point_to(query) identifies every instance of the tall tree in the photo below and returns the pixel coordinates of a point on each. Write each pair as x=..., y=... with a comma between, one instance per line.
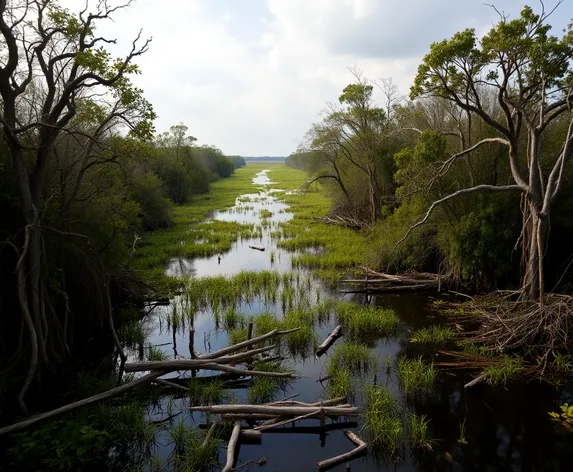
x=529, y=73
x=57, y=59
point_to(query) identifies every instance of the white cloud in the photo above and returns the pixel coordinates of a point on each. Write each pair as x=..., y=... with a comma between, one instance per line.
x=250, y=77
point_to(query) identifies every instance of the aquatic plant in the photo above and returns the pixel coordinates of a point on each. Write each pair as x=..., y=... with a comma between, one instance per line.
x=415, y=376
x=383, y=419
x=154, y=353
x=417, y=426
x=206, y=392
x=353, y=356
x=434, y=336
x=340, y=383
x=263, y=389
x=366, y=321
x=508, y=368
x=565, y=418
x=462, y=439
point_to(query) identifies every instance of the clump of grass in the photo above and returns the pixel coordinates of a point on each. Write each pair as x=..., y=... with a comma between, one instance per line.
x=302, y=342
x=435, y=336
x=415, y=377
x=563, y=363
x=155, y=354
x=265, y=322
x=263, y=389
x=272, y=256
x=462, y=439
x=266, y=213
x=367, y=322
x=237, y=335
x=340, y=383
x=507, y=370
x=190, y=452
x=206, y=392
x=383, y=420
x=418, y=431
x=355, y=357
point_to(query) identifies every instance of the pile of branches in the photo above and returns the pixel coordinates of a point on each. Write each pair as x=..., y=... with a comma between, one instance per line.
x=265, y=417
x=226, y=360
x=374, y=281
x=505, y=325
x=348, y=221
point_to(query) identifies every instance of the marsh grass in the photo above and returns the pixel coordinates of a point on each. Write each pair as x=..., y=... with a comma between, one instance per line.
x=154, y=353
x=341, y=383
x=264, y=389
x=366, y=321
x=417, y=426
x=132, y=334
x=415, y=377
x=357, y=358
x=190, y=454
x=505, y=371
x=233, y=319
x=434, y=336
x=383, y=419
x=206, y=392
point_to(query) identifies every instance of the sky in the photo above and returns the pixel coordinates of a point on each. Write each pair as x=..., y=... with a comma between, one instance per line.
x=251, y=76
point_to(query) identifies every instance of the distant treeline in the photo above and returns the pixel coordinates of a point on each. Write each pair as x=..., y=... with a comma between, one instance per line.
x=264, y=158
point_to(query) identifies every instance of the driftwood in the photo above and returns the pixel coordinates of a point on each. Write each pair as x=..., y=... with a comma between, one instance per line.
x=347, y=221
x=79, y=404
x=276, y=410
x=380, y=282
x=188, y=364
x=257, y=248
x=361, y=448
x=329, y=341
x=231, y=448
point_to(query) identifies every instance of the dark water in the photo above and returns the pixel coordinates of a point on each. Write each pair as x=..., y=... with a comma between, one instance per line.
x=505, y=429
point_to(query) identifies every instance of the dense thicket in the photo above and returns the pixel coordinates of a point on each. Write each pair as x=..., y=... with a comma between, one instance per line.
x=81, y=176
x=475, y=170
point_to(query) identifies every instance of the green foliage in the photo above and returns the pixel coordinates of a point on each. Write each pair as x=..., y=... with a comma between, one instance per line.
x=435, y=336
x=367, y=321
x=383, y=419
x=507, y=369
x=565, y=418
x=416, y=377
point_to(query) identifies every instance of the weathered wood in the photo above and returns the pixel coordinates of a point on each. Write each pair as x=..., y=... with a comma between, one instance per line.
x=275, y=410
x=167, y=383
x=231, y=447
x=257, y=248
x=75, y=405
x=329, y=341
x=361, y=448
x=476, y=381
x=250, y=332
x=188, y=364
x=288, y=420
x=247, y=343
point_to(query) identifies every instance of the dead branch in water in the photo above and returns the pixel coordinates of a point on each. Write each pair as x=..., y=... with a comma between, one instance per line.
x=231, y=448
x=347, y=221
x=329, y=341
x=361, y=448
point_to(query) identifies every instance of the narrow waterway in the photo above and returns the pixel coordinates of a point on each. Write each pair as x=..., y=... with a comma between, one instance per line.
x=504, y=429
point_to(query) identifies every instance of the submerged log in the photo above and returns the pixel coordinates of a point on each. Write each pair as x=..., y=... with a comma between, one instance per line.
x=277, y=410
x=329, y=341
x=361, y=448
x=257, y=248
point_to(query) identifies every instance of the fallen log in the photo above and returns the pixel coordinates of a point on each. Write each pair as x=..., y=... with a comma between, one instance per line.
x=476, y=381
x=250, y=435
x=257, y=248
x=288, y=420
x=81, y=403
x=247, y=343
x=361, y=448
x=329, y=341
x=314, y=429
x=231, y=448
x=188, y=364
x=275, y=410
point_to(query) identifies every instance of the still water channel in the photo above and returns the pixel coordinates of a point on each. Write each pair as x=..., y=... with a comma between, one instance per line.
x=506, y=429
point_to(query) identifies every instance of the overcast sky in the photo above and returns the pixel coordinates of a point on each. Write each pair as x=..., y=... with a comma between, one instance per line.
x=251, y=76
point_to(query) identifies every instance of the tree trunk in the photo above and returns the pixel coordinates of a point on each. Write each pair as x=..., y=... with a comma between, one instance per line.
x=534, y=239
